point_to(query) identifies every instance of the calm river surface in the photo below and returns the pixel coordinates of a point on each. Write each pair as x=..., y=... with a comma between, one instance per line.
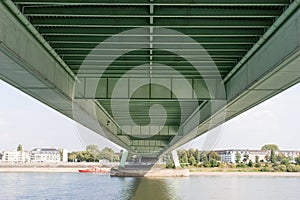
x=76, y=186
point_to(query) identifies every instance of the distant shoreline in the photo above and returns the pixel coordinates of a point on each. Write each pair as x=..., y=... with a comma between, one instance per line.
x=65, y=169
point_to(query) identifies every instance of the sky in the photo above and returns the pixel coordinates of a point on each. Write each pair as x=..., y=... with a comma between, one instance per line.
x=26, y=121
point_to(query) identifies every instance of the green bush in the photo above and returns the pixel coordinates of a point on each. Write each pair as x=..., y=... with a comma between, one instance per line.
x=231, y=165
x=266, y=169
x=241, y=165
x=206, y=164
x=293, y=168
x=257, y=165
x=222, y=165
x=170, y=164
x=282, y=168
x=183, y=165
x=214, y=163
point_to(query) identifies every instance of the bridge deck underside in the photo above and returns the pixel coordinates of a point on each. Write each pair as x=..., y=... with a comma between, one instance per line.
x=226, y=30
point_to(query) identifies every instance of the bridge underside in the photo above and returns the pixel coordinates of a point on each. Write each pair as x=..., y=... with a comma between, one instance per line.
x=172, y=73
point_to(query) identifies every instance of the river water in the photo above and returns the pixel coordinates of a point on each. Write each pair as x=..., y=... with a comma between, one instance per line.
x=76, y=186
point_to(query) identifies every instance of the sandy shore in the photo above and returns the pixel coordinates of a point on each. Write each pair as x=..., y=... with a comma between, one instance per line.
x=297, y=174
x=46, y=167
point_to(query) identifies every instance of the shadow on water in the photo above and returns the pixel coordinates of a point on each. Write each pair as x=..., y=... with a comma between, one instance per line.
x=148, y=189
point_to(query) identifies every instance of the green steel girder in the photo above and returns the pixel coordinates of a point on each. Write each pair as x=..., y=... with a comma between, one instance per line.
x=244, y=22
x=90, y=22
x=159, y=11
x=176, y=66
x=205, y=67
x=131, y=22
x=200, y=40
x=193, y=32
x=85, y=48
x=143, y=76
x=145, y=53
x=158, y=2
x=130, y=62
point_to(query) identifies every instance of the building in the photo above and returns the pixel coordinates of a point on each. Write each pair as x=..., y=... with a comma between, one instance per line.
x=289, y=154
x=229, y=156
x=15, y=156
x=45, y=155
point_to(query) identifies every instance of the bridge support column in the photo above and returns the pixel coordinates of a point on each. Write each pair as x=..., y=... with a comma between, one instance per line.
x=139, y=159
x=175, y=158
x=123, y=158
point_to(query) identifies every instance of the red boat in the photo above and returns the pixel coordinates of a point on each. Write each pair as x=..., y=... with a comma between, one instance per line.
x=95, y=170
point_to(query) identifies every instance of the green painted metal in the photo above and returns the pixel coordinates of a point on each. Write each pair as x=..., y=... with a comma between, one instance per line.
x=231, y=31
x=157, y=2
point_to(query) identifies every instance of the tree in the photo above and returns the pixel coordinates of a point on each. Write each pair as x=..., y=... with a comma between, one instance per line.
x=72, y=157
x=203, y=156
x=213, y=155
x=191, y=152
x=267, y=158
x=192, y=160
x=273, y=156
x=19, y=148
x=280, y=157
x=181, y=152
x=285, y=162
x=246, y=158
x=107, y=154
x=184, y=160
x=250, y=163
x=197, y=156
x=170, y=163
x=237, y=157
x=60, y=151
x=116, y=158
x=269, y=147
x=297, y=160
x=93, y=152
x=206, y=164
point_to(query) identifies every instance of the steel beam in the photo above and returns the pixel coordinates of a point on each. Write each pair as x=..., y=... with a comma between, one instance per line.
x=142, y=11
x=158, y=2
x=192, y=32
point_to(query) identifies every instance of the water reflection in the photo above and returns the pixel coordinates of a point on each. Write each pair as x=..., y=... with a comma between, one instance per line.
x=149, y=189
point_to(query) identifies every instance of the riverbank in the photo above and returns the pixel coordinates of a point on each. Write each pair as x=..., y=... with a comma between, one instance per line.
x=39, y=169
x=237, y=173
x=154, y=173
x=52, y=167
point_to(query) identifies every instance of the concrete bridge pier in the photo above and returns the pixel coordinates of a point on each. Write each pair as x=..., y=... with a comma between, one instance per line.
x=123, y=158
x=145, y=167
x=175, y=158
